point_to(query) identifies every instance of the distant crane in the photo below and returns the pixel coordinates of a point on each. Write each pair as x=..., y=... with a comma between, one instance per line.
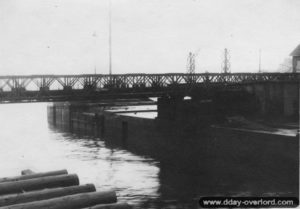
x=191, y=66
x=226, y=62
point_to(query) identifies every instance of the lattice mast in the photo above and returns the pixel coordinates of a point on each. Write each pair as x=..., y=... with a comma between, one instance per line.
x=191, y=63
x=226, y=62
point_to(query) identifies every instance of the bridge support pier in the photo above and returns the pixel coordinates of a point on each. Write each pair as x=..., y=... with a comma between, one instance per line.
x=67, y=88
x=99, y=124
x=44, y=89
x=89, y=87
x=291, y=99
x=52, y=114
x=167, y=106
x=277, y=98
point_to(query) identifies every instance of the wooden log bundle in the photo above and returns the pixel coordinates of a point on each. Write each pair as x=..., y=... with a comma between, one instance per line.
x=44, y=194
x=111, y=206
x=53, y=190
x=26, y=174
x=38, y=183
x=70, y=202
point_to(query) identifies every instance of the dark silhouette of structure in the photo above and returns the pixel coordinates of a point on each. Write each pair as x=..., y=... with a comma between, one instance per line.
x=226, y=62
x=191, y=66
x=34, y=88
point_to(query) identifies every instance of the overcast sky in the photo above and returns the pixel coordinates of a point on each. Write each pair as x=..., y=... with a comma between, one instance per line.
x=148, y=36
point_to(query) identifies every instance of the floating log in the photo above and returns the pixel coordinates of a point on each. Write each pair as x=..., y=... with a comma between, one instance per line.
x=27, y=172
x=44, y=194
x=70, y=202
x=38, y=183
x=111, y=206
x=32, y=176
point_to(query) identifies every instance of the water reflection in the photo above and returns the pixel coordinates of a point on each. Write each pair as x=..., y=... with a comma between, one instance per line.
x=176, y=180
x=28, y=143
x=191, y=163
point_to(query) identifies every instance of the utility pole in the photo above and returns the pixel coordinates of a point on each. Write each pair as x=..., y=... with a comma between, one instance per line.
x=95, y=55
x=110, y=39
x=259, y=64
x=226, y=62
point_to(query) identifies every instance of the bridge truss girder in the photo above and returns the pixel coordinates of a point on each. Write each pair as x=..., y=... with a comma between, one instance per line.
x=136, y=81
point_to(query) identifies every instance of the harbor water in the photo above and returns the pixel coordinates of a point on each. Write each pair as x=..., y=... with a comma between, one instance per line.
x=27, y=141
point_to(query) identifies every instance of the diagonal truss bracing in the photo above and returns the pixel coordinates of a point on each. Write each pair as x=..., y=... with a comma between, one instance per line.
x=123, y=81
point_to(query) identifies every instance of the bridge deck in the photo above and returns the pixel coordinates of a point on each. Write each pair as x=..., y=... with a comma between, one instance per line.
x=62, y=87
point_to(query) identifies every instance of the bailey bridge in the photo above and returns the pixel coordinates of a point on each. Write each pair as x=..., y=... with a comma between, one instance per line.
x=38, y=88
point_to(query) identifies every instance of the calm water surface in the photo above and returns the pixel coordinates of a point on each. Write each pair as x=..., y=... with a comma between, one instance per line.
x=28, y=143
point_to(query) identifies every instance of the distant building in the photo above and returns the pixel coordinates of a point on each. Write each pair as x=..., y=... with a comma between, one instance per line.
x=296, y=59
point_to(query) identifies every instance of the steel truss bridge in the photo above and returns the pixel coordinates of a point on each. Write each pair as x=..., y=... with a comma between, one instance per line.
x=27, y=88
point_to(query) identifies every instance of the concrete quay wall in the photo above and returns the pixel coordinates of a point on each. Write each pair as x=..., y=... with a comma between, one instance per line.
x=281, y=98
x=258, y=161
